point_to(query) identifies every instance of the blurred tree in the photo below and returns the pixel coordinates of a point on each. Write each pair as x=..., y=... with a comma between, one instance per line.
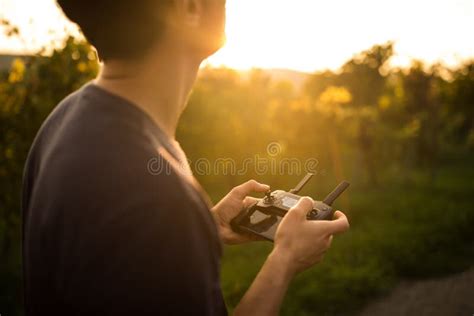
x=364, y=75
x=28, y=93
x=422, y=103
x=459, y=101
x=365, y=79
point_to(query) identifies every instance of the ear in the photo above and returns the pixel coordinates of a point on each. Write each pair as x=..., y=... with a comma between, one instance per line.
x=191, y=12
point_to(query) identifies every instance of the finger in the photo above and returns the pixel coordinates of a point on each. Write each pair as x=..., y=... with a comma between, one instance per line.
x=239, y=238
x=248, y=187
x=248, y=201
x=339, y=224
x=329, y=241
x=256, y=238
x=319, y=258
x=304, y=205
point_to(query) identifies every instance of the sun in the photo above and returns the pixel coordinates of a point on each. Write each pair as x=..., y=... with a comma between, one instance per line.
x=314, y=35
x=283, y=34
x=269, y=34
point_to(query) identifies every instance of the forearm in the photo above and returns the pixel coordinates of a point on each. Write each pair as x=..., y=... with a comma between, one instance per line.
x=266, y=293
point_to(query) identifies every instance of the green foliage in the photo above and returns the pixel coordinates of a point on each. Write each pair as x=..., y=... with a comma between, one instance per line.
x=28, y=93
x=398, y=232
x=403, y=138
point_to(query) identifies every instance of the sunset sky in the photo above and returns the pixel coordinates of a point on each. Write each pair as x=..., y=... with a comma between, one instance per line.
x=305, y=35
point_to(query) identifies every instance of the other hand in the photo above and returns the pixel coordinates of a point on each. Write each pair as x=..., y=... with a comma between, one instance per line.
x=301, y=243
x=231, y=205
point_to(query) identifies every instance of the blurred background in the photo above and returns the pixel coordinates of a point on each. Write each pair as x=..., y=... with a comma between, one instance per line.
x=378, y=93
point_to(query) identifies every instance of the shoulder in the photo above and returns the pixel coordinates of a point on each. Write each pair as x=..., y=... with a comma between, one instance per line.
x=95, y=158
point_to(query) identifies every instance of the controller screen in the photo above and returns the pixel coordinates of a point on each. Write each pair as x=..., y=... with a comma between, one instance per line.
x=289, y=202
x=264, y=224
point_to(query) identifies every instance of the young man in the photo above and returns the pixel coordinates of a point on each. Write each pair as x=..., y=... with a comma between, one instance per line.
x=105, y=236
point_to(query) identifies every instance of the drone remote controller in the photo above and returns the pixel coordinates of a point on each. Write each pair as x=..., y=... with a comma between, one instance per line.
x=263, y=217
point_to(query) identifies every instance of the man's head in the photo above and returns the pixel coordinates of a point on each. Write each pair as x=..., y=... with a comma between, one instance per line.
x=128, y=29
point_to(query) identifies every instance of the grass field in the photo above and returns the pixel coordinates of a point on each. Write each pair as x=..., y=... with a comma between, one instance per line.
x=419, y=229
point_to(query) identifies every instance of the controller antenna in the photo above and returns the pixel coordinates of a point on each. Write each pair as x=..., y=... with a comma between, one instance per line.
x=335, y=193
x=302, y=183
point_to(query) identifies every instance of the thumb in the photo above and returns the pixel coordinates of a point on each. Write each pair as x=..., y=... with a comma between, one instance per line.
x=249, y=187
x=301, y=209
x=339, y=224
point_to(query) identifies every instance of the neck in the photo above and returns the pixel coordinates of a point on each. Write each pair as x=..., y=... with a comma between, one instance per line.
x=158, y=84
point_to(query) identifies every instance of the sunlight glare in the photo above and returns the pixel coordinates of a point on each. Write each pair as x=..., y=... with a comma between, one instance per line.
x=308, y=35
x=302, y=35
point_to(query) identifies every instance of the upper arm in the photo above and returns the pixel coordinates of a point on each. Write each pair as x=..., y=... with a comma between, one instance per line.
x=151, y=245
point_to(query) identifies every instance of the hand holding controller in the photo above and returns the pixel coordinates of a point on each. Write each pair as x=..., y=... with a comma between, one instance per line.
x=264, y=217
x=301, y=243
x=302, y=230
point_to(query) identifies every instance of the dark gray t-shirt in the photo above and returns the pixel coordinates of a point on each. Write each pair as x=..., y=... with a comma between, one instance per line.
x=107, y=230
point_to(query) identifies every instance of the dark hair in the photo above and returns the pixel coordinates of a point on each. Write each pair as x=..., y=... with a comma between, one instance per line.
x=119, y=29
